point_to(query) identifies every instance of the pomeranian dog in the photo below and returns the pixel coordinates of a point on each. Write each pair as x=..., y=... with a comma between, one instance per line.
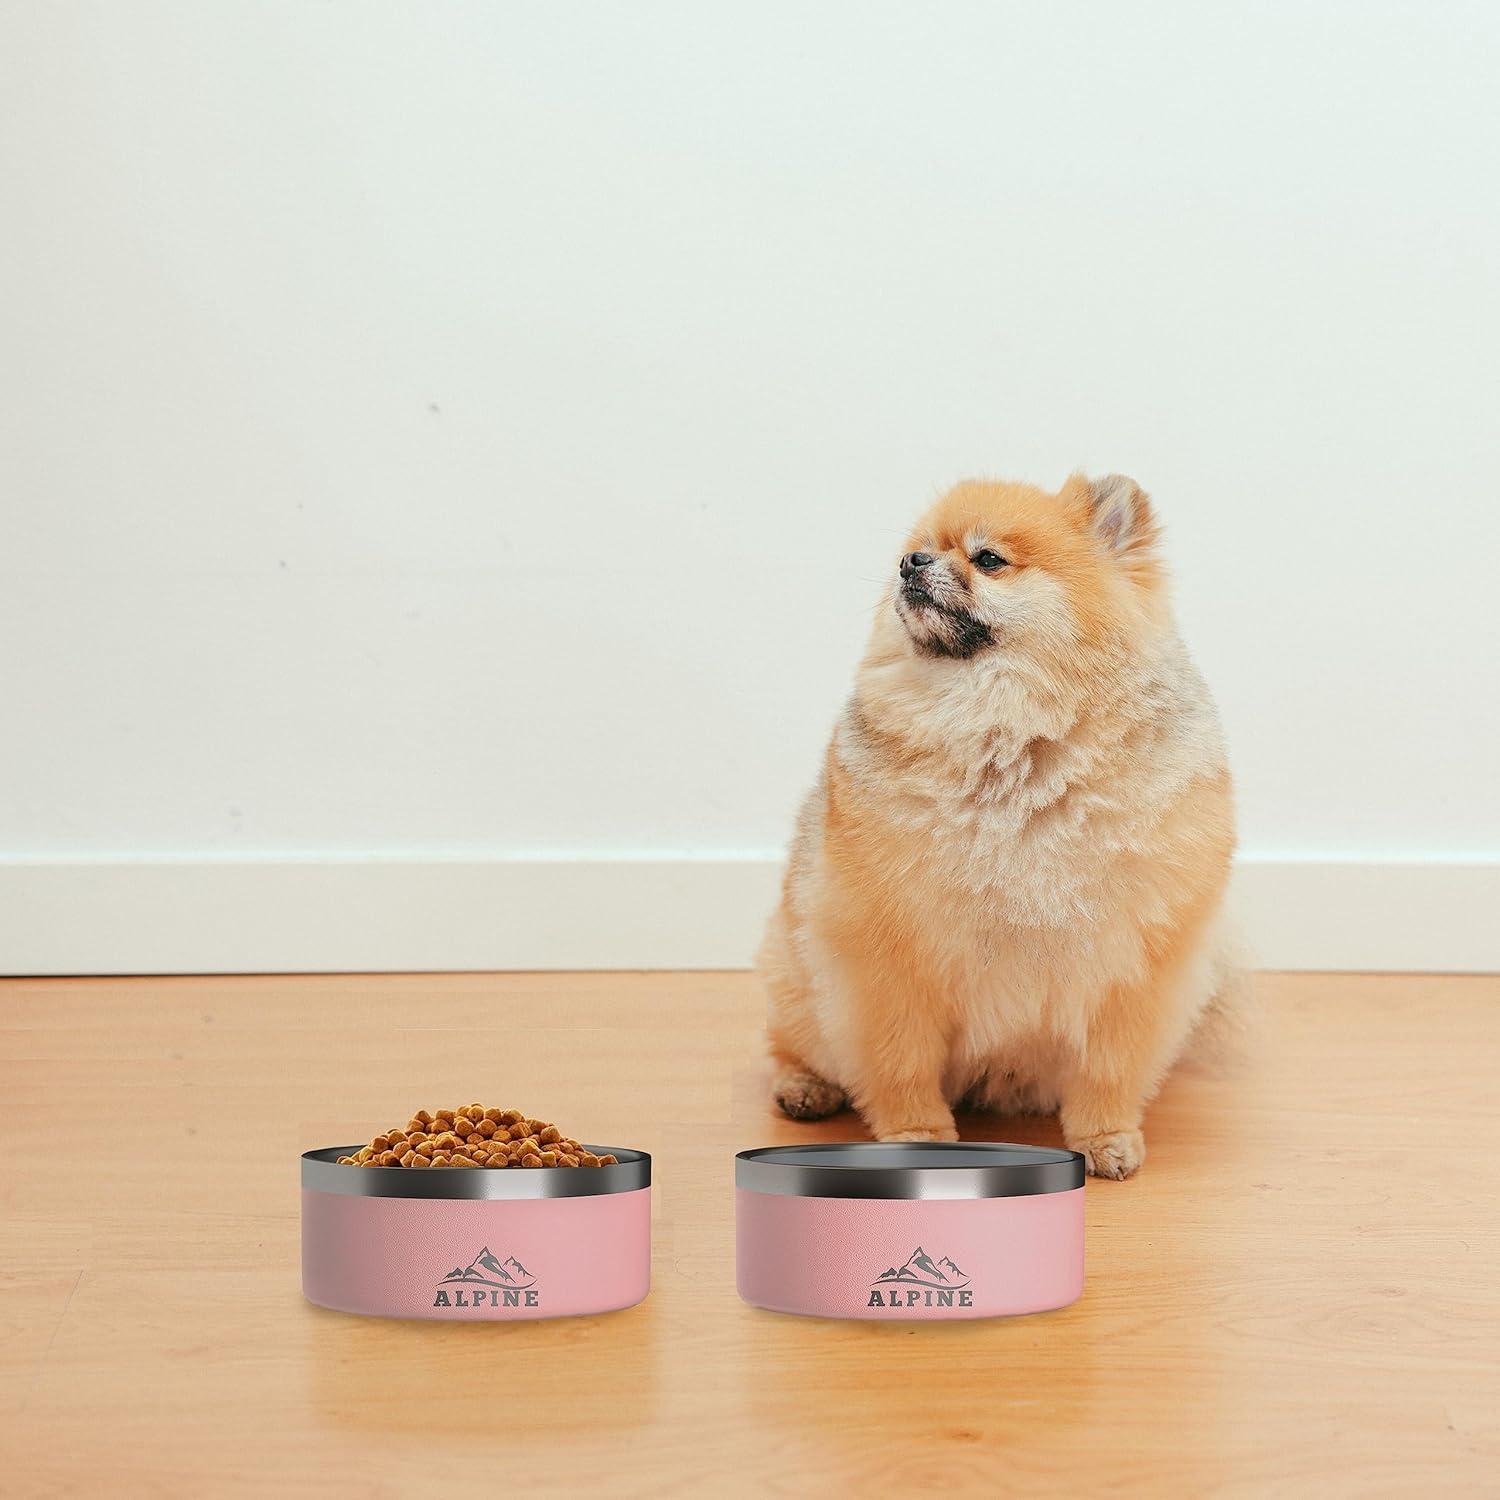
x=1006, y=889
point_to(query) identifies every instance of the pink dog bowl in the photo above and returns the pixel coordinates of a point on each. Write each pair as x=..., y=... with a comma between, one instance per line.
x=493, y=1243
x=909, y=1230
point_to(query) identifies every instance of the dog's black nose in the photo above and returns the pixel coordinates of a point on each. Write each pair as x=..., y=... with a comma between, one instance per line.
x=914, y=560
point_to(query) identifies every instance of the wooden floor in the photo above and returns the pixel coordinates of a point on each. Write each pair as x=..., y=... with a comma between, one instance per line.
x=1300, y=1293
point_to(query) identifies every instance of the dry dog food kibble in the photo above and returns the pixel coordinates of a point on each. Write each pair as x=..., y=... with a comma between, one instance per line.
x=474, y=1136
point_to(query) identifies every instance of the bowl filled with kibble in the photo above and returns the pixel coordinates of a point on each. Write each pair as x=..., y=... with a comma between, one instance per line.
x=475, y=1212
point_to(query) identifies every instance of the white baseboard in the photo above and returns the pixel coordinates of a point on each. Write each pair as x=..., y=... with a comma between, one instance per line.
x=289, y=915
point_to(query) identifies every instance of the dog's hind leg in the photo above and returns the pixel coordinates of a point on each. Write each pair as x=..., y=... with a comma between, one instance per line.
x=802, y=1095
x=800, y=1091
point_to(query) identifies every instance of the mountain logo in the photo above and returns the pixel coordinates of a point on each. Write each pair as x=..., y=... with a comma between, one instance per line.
x=488, y=1281
x=921, y=1280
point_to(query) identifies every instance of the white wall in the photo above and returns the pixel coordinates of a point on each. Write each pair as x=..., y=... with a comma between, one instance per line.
x=478, y=430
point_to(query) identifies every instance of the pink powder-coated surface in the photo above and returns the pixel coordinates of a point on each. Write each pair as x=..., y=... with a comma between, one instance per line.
x=391, y=1256
x=826, y=1256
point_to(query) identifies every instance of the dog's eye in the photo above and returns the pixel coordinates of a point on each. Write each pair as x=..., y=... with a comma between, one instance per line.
x=989, y=561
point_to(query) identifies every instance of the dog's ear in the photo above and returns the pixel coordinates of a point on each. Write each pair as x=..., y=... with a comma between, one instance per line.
x=1121, y=515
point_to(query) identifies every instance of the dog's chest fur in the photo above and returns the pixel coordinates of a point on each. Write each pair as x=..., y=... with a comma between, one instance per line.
x=1030, y=839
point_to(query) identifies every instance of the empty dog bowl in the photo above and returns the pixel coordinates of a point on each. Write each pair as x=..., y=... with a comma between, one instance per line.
x=497, y=1243
x=909, y=1230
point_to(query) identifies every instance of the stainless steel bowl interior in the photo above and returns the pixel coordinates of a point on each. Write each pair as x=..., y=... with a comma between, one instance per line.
x=909, y=1169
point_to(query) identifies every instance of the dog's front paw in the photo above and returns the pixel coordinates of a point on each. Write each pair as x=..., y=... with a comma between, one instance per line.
x=1113, y=1153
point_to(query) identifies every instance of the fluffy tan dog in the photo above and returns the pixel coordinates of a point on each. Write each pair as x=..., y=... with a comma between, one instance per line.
x=1006, y=887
